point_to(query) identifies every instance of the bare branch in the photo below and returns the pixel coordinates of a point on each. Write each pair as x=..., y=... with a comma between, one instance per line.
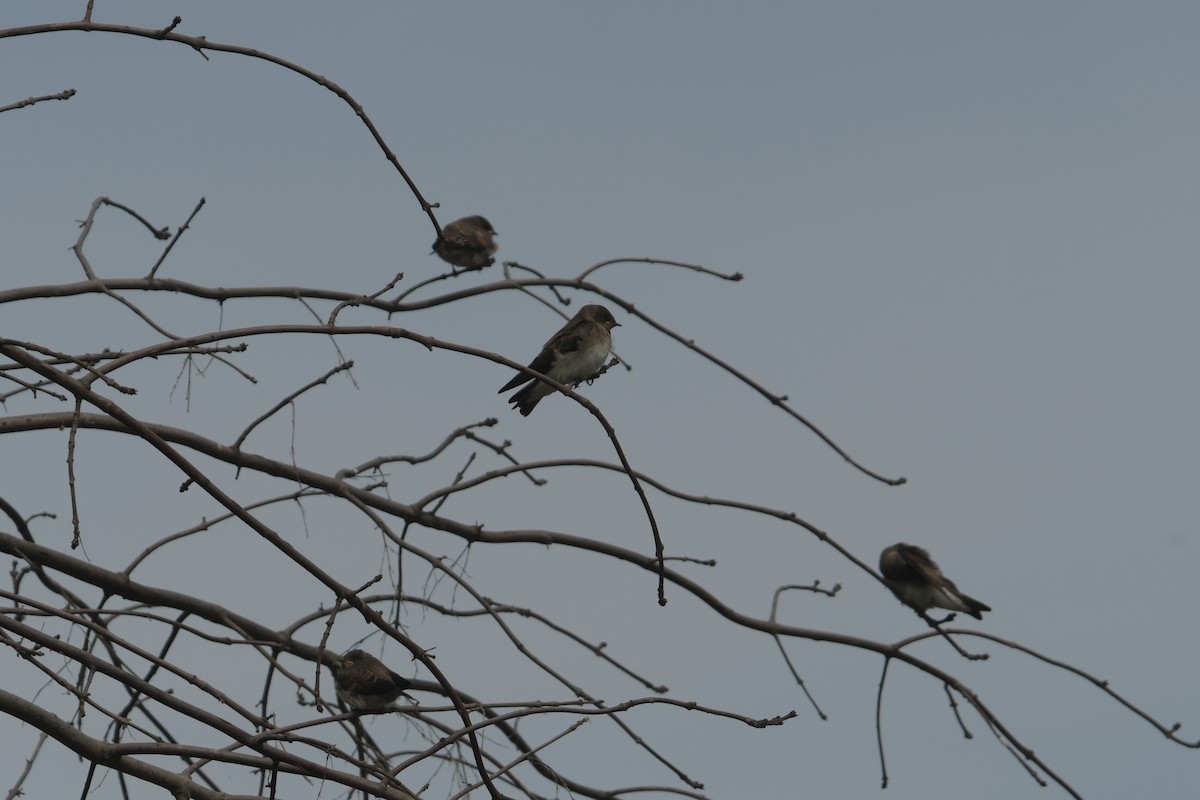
x=67, y=94
x=186, y=224
x=237, y=444
x=200, y=44
x=15, y=791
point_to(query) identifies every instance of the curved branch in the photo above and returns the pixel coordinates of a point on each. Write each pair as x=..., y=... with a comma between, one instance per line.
x=200, y=44
x=50, y=723
x=1169, y=731
x=735, y=277
x=141, y=284
x=198, y=477
x=98, y=752
x=80, y=389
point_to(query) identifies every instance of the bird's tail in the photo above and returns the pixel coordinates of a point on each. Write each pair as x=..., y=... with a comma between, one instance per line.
x=526, y=399
x=974, y=607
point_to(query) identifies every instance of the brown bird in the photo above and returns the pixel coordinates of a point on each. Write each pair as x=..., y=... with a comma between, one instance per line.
x=572, y=355
x=467, y=242
x=914, y=578
x=365, y=684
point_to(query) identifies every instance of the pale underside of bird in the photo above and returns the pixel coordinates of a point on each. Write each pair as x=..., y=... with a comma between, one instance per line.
x=364, y=683
x=574, y=354
x=918, y=582
x=467, y=242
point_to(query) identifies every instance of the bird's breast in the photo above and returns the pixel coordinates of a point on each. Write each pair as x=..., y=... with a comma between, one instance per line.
x=586, y=362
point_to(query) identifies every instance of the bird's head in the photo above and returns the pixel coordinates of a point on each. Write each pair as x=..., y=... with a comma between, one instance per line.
x=599, y=314
x=351, y=659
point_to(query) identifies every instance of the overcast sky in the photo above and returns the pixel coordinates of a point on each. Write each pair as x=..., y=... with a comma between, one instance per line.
x=969, y=239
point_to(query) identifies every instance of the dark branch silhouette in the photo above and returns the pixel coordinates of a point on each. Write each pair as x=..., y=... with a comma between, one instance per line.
x=116, y=632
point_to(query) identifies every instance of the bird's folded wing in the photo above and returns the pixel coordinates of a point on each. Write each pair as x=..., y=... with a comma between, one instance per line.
x=543, y=364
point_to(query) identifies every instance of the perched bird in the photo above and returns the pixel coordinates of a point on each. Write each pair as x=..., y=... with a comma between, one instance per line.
x=365, y=684
x=467, y=242
x=572, y=355
x=914, y=578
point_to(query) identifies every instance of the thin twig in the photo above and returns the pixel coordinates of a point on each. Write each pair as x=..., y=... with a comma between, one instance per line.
x=520, y=759
x=735, y=277
x=186, y=224
x=200, y=44
x=86, y=228
x=366, y=298
x=237, y=444
x=15, y=791
x=958, y=716
x=815, y=588
x=28, y=101
x=879, y=721
x=76, y=536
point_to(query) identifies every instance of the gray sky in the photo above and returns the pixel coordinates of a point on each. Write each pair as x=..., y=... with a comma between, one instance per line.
x=969, y=240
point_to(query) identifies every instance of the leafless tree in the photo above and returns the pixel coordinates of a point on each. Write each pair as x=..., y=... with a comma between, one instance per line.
x=186, y=687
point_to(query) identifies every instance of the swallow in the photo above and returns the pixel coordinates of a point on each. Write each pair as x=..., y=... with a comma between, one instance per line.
x=365, y=684
x=918, y=582
x=572, y=355
x=468, y=243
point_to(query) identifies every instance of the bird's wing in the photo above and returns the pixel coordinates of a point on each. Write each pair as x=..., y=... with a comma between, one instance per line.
x=459, y=238
x=543, y=364
x=381, y=681
x=946, y=592
x=921, y=565
x=399, y=681
x=567, y=340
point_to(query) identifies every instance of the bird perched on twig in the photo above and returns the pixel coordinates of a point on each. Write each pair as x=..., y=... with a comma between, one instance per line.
x=365, y=684
x=467, y=242
x=914, y=578
x=572, y=355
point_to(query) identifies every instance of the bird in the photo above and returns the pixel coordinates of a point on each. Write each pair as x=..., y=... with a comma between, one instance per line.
x=918, y=582
x=365, y=684
x=467, y=242
x=572, y=355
